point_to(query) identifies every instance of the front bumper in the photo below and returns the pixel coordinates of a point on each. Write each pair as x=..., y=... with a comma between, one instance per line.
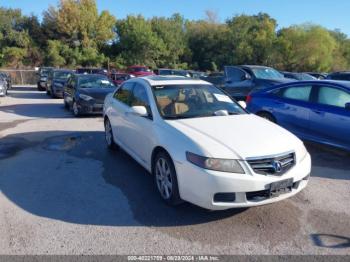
x=58, y=91
x=90, y=107
x=199, y=186
x=42, y=84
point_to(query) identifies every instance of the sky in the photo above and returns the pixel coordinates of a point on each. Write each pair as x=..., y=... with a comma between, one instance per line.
x=328, y=13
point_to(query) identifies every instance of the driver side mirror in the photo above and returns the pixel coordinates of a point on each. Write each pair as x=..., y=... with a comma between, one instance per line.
x=347, y=106
x=139, y=111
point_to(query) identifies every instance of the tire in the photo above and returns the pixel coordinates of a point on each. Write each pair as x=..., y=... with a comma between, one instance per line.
x=267, y=116
x=40, y=88
x=75, y=109
x=166, y=179
x=52, y=94
x=109, y=136
x=66, y=105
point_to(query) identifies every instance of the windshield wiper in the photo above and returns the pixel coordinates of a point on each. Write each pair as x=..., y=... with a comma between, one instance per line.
x=177, y=117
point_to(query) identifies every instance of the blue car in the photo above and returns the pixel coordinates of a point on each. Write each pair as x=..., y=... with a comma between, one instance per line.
x=318, y=111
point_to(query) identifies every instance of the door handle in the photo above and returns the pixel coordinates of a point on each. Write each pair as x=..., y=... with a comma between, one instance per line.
x=318, y=112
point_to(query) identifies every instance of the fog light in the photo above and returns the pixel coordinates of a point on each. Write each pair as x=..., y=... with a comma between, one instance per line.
x=225, y=197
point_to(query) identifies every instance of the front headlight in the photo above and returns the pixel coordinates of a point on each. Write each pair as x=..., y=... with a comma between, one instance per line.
x=222, y=165
x=85, y=97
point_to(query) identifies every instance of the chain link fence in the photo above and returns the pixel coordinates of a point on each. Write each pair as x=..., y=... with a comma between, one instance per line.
x=22, y=76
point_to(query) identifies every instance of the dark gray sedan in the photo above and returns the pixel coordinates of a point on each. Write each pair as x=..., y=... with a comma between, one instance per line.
x=85, y=94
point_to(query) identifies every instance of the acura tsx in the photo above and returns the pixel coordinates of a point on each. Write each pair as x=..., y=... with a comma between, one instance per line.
x=201, y=146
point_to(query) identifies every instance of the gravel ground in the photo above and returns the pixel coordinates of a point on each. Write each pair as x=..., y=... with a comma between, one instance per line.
x=63, y=192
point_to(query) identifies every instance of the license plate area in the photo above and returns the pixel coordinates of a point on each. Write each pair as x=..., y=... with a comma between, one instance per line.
x=281, y=187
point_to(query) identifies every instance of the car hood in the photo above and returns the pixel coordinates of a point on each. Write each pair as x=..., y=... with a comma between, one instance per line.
x=237, y=136
x=99, y=94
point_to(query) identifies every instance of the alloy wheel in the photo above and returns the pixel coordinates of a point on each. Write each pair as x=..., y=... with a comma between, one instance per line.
x=108, y=133
x=163, y=178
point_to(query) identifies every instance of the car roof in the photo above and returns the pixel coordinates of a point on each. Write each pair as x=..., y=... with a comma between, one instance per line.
x=63, y=70
x=253, y=66
x=89, y=75
x=340, y=72
x=343, y=84
x=170, y=80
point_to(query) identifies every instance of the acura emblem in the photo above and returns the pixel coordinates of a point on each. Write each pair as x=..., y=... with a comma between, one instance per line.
x=277, y=166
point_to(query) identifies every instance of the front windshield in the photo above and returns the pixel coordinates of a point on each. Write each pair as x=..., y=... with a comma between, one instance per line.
x=45, y=72
x=306, y=77
x=95, y=82
x=190, y=101
x=267, y=73
x=61, y=75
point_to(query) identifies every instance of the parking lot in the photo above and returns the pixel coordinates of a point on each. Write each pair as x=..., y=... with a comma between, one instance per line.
x=63, y=192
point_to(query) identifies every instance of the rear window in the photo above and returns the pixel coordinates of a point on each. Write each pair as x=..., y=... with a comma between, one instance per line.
x=301, y=93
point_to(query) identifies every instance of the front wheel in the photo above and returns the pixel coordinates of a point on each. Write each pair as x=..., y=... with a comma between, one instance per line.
x=66, y=105
x=109, y=135
x=166, y=179
x=75, y=109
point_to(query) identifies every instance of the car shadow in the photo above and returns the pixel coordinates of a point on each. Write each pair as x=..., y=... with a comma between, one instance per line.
x=329, y=162
x=73, y=177
x=39, y=110
x=27, y=94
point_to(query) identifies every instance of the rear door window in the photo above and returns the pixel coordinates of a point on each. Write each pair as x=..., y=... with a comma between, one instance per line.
x=333, y=96
x=300, y=93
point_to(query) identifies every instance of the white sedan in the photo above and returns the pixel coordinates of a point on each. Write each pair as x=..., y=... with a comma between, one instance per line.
x=203, y=147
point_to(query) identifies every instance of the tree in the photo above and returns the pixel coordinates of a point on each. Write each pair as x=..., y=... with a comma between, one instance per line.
x=208, y=44
x=78, y=22
x=305, y=48
x=171, y=33
x=13, y=56
x=251, y=39
x=137, y=42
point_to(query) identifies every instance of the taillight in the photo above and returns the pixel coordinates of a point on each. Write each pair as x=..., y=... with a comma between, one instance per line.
x=249, y=99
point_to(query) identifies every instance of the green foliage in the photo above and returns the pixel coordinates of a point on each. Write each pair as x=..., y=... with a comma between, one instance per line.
x=208, y=45
x=13, y=56
x=305, y=48
x=138, y=43
x=170, y=32
x=74, y=33
x=251, y=39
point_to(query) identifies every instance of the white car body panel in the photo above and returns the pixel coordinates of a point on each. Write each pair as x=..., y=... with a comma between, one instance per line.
x=238, y=137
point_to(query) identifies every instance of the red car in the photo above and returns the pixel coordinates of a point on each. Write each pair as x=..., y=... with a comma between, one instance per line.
x=138, y=70
x=119, y=78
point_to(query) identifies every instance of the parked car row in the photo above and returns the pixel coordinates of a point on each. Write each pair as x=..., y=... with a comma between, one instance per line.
x=201, y=145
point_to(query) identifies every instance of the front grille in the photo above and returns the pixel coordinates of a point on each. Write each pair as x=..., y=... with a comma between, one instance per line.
x=267, y=194
x=278, y=165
